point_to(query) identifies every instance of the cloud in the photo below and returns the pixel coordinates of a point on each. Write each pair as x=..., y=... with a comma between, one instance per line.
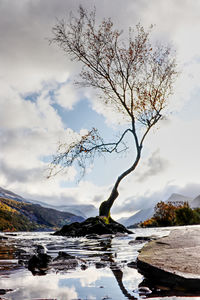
x=30, y=131
x=154, y=165
x=67, y=96
x=26, y=176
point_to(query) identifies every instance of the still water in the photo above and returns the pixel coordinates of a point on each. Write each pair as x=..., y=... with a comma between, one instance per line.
x=105, y=268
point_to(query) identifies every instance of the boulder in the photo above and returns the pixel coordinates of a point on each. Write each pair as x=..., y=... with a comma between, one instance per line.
x=92, y=226
x=38, y=264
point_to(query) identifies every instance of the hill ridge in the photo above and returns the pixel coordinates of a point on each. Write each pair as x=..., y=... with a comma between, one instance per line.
x=23, y=216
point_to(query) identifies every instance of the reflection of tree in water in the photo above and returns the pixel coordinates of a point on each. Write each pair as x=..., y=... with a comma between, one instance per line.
x=117, y=272
x=39, y=264
x=119, y=275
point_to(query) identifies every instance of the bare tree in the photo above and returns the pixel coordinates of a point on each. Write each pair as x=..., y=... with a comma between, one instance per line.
x=132, y=75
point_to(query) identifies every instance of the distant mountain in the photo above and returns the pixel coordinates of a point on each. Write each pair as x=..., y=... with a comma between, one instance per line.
x=140, y=216
x=84, y=210
x=178, y=198
x=195, y=202
x=23, y=216
x=10, y=195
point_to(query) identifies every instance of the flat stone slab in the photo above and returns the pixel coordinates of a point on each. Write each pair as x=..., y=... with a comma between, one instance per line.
x=173, y=260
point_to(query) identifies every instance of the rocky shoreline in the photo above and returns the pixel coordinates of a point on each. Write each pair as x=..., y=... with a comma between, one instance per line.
x=45, y=255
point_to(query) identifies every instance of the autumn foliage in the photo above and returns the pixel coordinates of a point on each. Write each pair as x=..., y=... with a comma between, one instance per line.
x=173, y=214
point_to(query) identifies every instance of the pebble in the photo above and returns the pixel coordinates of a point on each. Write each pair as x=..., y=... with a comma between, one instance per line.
x=143, y=290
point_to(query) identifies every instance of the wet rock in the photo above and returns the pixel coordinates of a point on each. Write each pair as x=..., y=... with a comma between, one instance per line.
x=64, y=264
x=21, y=262
x=143, y=290
x=90, y=227
x=38, y=264
x=124, y=261
x=41, y=249
x=12, y=234
x=64, y=261
x=22, y=255
x=133, y=242
x=63, y=255
x=4, y=291
x=100, y=265
x=143, y=238
x=92, y=236
x=120, y=234
x=106, y=236
x=2, y=237
x=84, y=267
x=105, y=257
x=132, y=265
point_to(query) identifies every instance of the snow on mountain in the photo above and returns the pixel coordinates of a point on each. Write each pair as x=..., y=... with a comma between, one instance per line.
x=178, y=198
x=82, y=210
x=10, y=195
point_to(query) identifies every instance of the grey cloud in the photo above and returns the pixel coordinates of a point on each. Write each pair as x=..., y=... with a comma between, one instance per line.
x=190, y=190
x=26, y=27
x=98, y=199
x=19, y=175
x=132, y=204
x=54, y=200
x=154, y=166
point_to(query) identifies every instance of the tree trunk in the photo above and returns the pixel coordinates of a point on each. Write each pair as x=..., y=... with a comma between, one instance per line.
x=105, y=207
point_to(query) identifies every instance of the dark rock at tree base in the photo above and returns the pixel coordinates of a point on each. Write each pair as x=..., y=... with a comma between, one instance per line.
x=92, y=226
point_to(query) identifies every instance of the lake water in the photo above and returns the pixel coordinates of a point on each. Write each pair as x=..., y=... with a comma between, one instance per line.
x=103, y=272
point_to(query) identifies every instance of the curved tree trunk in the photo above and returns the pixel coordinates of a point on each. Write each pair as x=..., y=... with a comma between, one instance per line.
x=105, y=207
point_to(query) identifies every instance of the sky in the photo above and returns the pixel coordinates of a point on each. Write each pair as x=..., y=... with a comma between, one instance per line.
x=40, y=106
